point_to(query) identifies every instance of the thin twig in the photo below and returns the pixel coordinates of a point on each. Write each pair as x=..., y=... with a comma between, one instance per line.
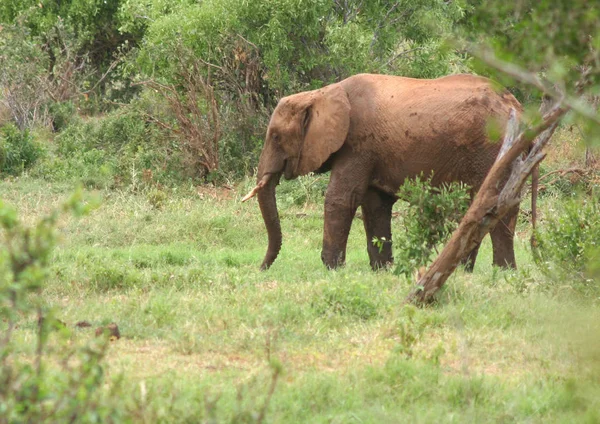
x=562, y=172
x=108, y=71
x=263, y=410
x=247, y=41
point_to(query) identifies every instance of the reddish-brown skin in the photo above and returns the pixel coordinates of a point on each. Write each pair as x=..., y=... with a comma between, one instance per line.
x=373, y=132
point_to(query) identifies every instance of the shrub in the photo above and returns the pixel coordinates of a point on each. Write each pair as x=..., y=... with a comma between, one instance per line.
x=18, y=150
x=569, y=239
x=23, y=77
x=432, y=215
x=304, y=190
x=62, y=115
x=118, y=149
x=242, y=139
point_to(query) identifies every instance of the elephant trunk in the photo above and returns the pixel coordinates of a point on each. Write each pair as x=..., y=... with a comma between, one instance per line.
x=268, y=209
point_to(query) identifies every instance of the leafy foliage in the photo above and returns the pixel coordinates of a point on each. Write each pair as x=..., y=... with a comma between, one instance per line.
x=432, y=214
x=550, y=36
x=94, y=22
x=22, y=77
x=568, y=241
x=115, y=150
x=558, y=42
x=285, y=45
x=18, y=150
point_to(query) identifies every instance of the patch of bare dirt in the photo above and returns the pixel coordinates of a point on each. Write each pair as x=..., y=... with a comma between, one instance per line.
x=215, y=193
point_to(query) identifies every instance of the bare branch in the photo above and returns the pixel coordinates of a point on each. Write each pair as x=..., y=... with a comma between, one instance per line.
x=383, y=22
x=512, y=131
x=108, y=71
x=249, y=42
x=563, y=172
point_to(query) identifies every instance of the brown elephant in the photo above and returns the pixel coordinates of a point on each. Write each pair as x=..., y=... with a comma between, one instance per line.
x=373, y=132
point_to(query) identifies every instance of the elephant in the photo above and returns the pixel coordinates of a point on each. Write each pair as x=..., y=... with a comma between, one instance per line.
x=373, y=132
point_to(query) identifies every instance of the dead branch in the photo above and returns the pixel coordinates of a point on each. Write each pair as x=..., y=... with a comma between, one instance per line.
x=160, y=123
x=108, y=71
x=490, y=204
x=247, y=41
x=562, y=172
x=194, y=105
x=384, y=22
x=348, y=13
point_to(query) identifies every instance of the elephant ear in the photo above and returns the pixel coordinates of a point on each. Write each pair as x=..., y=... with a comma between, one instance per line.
x=325, y=127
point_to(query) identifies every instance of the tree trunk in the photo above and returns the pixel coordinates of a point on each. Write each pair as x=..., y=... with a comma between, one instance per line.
x=490, y=204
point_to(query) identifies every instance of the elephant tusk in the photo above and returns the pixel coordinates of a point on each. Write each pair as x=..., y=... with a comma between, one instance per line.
x=256, y=189
x=252, y=193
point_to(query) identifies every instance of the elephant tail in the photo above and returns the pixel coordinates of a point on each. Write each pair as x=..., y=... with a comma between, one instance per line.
x=535, y=174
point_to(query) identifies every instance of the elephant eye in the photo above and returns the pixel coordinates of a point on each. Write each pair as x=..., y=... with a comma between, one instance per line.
x=275, y=137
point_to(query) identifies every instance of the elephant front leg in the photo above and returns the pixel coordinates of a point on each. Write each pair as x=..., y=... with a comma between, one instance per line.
x=344, y=194
x=338, y=220
x=377, y=218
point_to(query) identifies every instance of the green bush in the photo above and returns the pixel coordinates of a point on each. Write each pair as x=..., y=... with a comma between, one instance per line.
x=275, y=47
x=62, y=115
x=119, y=149
x=18, y=150
x=113, y=133
x=242, y=140
x=432, y=215
x=569, y=237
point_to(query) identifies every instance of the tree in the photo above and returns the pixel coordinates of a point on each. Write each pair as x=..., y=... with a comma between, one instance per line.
x=553, y=48
x=276, y=47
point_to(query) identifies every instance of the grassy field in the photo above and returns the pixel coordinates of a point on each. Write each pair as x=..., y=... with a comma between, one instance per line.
x=205, y=334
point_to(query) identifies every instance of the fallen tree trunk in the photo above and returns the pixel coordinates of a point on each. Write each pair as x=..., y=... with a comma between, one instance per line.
x=491, y=202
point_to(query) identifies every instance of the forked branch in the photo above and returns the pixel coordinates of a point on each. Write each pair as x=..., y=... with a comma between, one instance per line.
x=490, y=204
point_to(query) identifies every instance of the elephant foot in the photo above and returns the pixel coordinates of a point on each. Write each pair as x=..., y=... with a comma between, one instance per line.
x=468, y=265
x=506, y=264
x=333, y=261
x=378, y=265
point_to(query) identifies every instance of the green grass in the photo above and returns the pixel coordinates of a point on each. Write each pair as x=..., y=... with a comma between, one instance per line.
x=202, y=326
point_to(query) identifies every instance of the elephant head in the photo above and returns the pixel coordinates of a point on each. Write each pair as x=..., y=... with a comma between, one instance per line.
x=304, y=130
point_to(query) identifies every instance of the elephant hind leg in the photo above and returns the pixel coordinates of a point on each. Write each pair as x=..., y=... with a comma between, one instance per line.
x=469, y=261
x=503, y=240
x=377, y=216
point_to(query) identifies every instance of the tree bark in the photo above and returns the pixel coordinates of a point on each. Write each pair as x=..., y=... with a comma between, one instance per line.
x=491, y=202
